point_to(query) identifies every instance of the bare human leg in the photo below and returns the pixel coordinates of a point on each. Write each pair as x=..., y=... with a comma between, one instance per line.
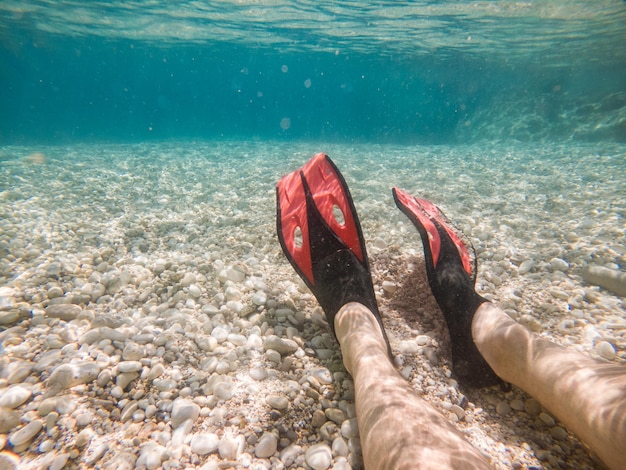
x=586, y=394
x=398, y=429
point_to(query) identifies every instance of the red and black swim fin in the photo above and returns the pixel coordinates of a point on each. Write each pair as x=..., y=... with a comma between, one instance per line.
x=451, y=275
x=320, y=234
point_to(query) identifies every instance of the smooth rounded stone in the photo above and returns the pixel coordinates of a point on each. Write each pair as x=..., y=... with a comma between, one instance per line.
x=70, y=375
x=151, y=410
x=547, y=419
x=603, y=349
x=46, y=446
x=97, y=291
x=517, y=404
x=104, y=377
x=26, y=434
x=204, y=443
x=322, y=375
x=408, y=347
x=9, y=419
x=350, y=428
x=232, y=294
x=58, y=463
x=389, y=287
x=259, y=298
x=559, y=264
x=234, y=305
x=9, y=461
x=206, y=343
x=267, y=445
x=422, y=340
x=335, y=415
x=84, y=437
x=231, y=447
x=558, y=433
x=180, y=433
x=319, y=456
x=235, y=274
x=237, y=340
x=9, y=317
x=165, y=385
x=129, y=366
x=55, y=292
x=526, y=266
x=124, y=379
x=565, y=325
x=156, y=371
x=65, y=312
x=96, y=454
x=220, y=334
x=458, y=411
x=278, y=402
x=65, y=404
x=318, y=418
x=84, y=419
x=128, y=411
x=258, y=373
x=289, y=455
x=610, y=279
x=224, y=388
x=281, y=345
x=15, y=396
x=151, y=457
x=112, y=334
x=182, y=410
x=503, y=408
x=133, y=352
x=340, y=447
x=195, y=291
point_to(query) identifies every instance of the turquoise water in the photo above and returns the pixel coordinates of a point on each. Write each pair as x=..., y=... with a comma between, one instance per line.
x=413, y=72
x=141, y=141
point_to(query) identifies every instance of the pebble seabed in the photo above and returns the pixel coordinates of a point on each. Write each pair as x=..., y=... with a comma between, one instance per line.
x=148, y=318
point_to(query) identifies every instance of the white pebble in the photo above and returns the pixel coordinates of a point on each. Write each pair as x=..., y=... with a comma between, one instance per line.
x=129, y=366
x=194, y=291
x=15, y=396
x=267, y=445
x=204, y=443
x=258, y=373
x=559, y=264
x=69, y=375
x=182, y=410
x=349, y=428
x=526, y=266
x=319, y=456
x=408, y=347
x=389, y=287
x=259, y=298
x=340, y=447
x=230, y=448
x=281, y=345
x=322, y=375
x=605, y=350
x=26, y=434
x=277, y=402
x=235, y=274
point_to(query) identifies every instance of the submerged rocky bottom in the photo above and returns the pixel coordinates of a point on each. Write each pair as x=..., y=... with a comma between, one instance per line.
x=149, y=319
